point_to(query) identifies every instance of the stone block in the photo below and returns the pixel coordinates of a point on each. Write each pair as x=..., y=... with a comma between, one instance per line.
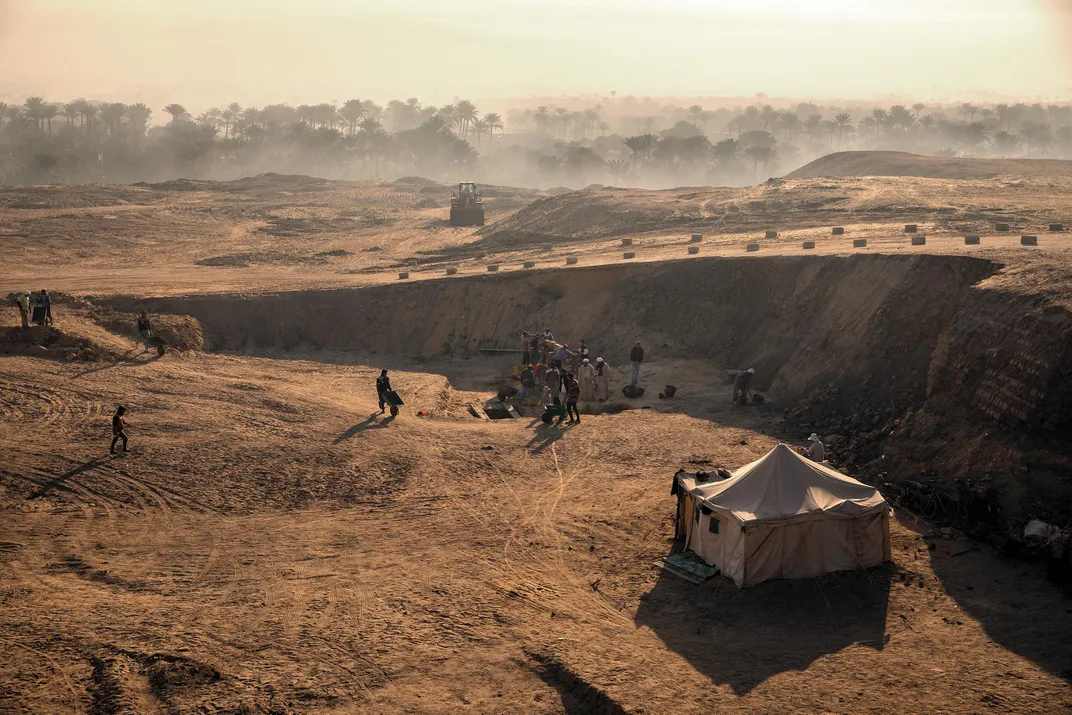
x=910, y=228
x=1028, y=240
x=859, y=242
x=627, y=242
x=1057, y=227
x=694, y=249
x=919, y=240
x=452, y=271
x=971, y=240
x=808, y=245
x=771, y=234
x=752, y=246
x=529, y=264
x=630, y=254
x=838, y=231
x=403, y=275
x=571, y=261
x=493, y=268
x=696, y=238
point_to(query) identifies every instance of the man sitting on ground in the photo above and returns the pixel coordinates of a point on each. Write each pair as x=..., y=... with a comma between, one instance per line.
x=742, y=385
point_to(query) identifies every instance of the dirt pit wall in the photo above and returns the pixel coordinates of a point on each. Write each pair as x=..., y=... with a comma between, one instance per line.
x=871, y=322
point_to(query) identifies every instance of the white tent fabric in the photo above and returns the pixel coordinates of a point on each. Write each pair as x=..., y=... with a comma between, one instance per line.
x=784, y=516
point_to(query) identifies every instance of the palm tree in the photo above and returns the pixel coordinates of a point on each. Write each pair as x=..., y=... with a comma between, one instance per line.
x=760, y=154
x=918, y=107
x=842, y=121
x=112, y=116
x=34, y=110
x=791, y=123
x=603, y=128
x=352, y=112
x=1004, y=143
x=465, y=113
x=726, y=152
x=1039, y=136
x=89, y=115
x=542, y=117
x=591, y=116
x=615, y=168
x=563, y=115
x=70, y=112
x=493, y=122
x=138, y=116
x=177, y=112
x=969, y=110
x=479, y=128
x=768, y=115
x=3, y=112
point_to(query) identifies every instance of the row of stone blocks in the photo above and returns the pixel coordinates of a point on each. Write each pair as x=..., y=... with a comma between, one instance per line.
x=1054, y=227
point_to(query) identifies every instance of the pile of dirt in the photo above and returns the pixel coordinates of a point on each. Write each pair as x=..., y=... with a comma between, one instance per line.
x=260, y=258
x=49, y=341
x=180, y=331
x=898, y=163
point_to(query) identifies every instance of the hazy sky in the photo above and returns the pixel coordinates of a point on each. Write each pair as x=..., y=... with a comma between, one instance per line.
x=203, y=52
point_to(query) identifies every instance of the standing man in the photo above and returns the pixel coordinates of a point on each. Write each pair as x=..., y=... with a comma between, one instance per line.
x=742, y=385
x=119, y=426
x=583, y=353
x=553, y=379
x=526, y=359
x=573, y=393
x=815, y=451
x=145, y=329
x=560, y=355
x=23, y=301
x=528, y=382
x=636, y=356
x=602, y=380
x=588, y=381
x=45, y=301
x=383, y=386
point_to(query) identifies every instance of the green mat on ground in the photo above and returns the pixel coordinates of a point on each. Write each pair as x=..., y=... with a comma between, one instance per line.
x=687, y=569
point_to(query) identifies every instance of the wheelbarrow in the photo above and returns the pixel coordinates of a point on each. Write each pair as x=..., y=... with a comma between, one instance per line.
x=557, y=410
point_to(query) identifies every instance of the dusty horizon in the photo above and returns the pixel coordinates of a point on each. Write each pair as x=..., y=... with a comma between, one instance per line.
x=202, y=54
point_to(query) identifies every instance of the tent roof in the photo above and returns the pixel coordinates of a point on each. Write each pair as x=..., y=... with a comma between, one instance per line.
x=782, y=485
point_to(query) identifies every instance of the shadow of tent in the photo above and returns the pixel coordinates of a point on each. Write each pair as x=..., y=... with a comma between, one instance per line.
x=1012, y=600
x=743, y=637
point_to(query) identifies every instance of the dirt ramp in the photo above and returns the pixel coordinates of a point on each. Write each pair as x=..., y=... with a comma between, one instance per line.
x=897, y=163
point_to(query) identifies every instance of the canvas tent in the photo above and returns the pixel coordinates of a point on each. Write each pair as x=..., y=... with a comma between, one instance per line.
x=782, y=516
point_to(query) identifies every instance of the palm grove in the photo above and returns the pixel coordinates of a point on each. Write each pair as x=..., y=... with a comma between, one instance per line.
x=631, y=141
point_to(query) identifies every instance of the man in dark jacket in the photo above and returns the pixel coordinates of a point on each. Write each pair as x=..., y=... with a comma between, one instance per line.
x=383, y=386
x=119, y=426
x=145, y=328
x=573, y=394
x=45, y=301
x=636, y=356
x=528, y=382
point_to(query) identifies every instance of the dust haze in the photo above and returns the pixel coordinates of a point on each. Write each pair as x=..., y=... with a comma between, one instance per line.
x=395, y=442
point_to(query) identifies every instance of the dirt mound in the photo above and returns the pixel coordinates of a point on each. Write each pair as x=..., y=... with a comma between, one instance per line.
x=427, y=203
x=49, y=341
x=896, y=163
x=415, y=183
x=591, y=214
x=180, y=331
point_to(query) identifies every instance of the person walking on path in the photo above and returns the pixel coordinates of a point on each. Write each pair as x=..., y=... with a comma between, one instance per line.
x=119, y=427
x=528, y=383
x=145, y=328
x=573, y=393
x=23, y=301
x=636, y=356
x=45, y=301
x=742, y=385
x=602, y=380
x=383, y=386
x=588, y=381
x=526, y=358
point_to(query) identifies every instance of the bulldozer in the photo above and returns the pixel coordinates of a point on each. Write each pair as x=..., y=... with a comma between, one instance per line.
x=466, y=206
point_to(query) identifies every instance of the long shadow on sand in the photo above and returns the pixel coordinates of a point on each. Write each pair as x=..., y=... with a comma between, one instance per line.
x=742, y=637
x=61, y=481
x=369, y=423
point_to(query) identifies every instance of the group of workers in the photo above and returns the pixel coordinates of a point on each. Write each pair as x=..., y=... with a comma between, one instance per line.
x=42, y=300
x=558, y=374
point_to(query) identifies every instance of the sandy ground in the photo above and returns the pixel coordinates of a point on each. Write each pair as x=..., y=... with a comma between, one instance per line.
x=274, y=544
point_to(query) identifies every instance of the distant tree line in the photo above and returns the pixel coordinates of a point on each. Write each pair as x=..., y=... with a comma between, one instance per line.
x=624, y=141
